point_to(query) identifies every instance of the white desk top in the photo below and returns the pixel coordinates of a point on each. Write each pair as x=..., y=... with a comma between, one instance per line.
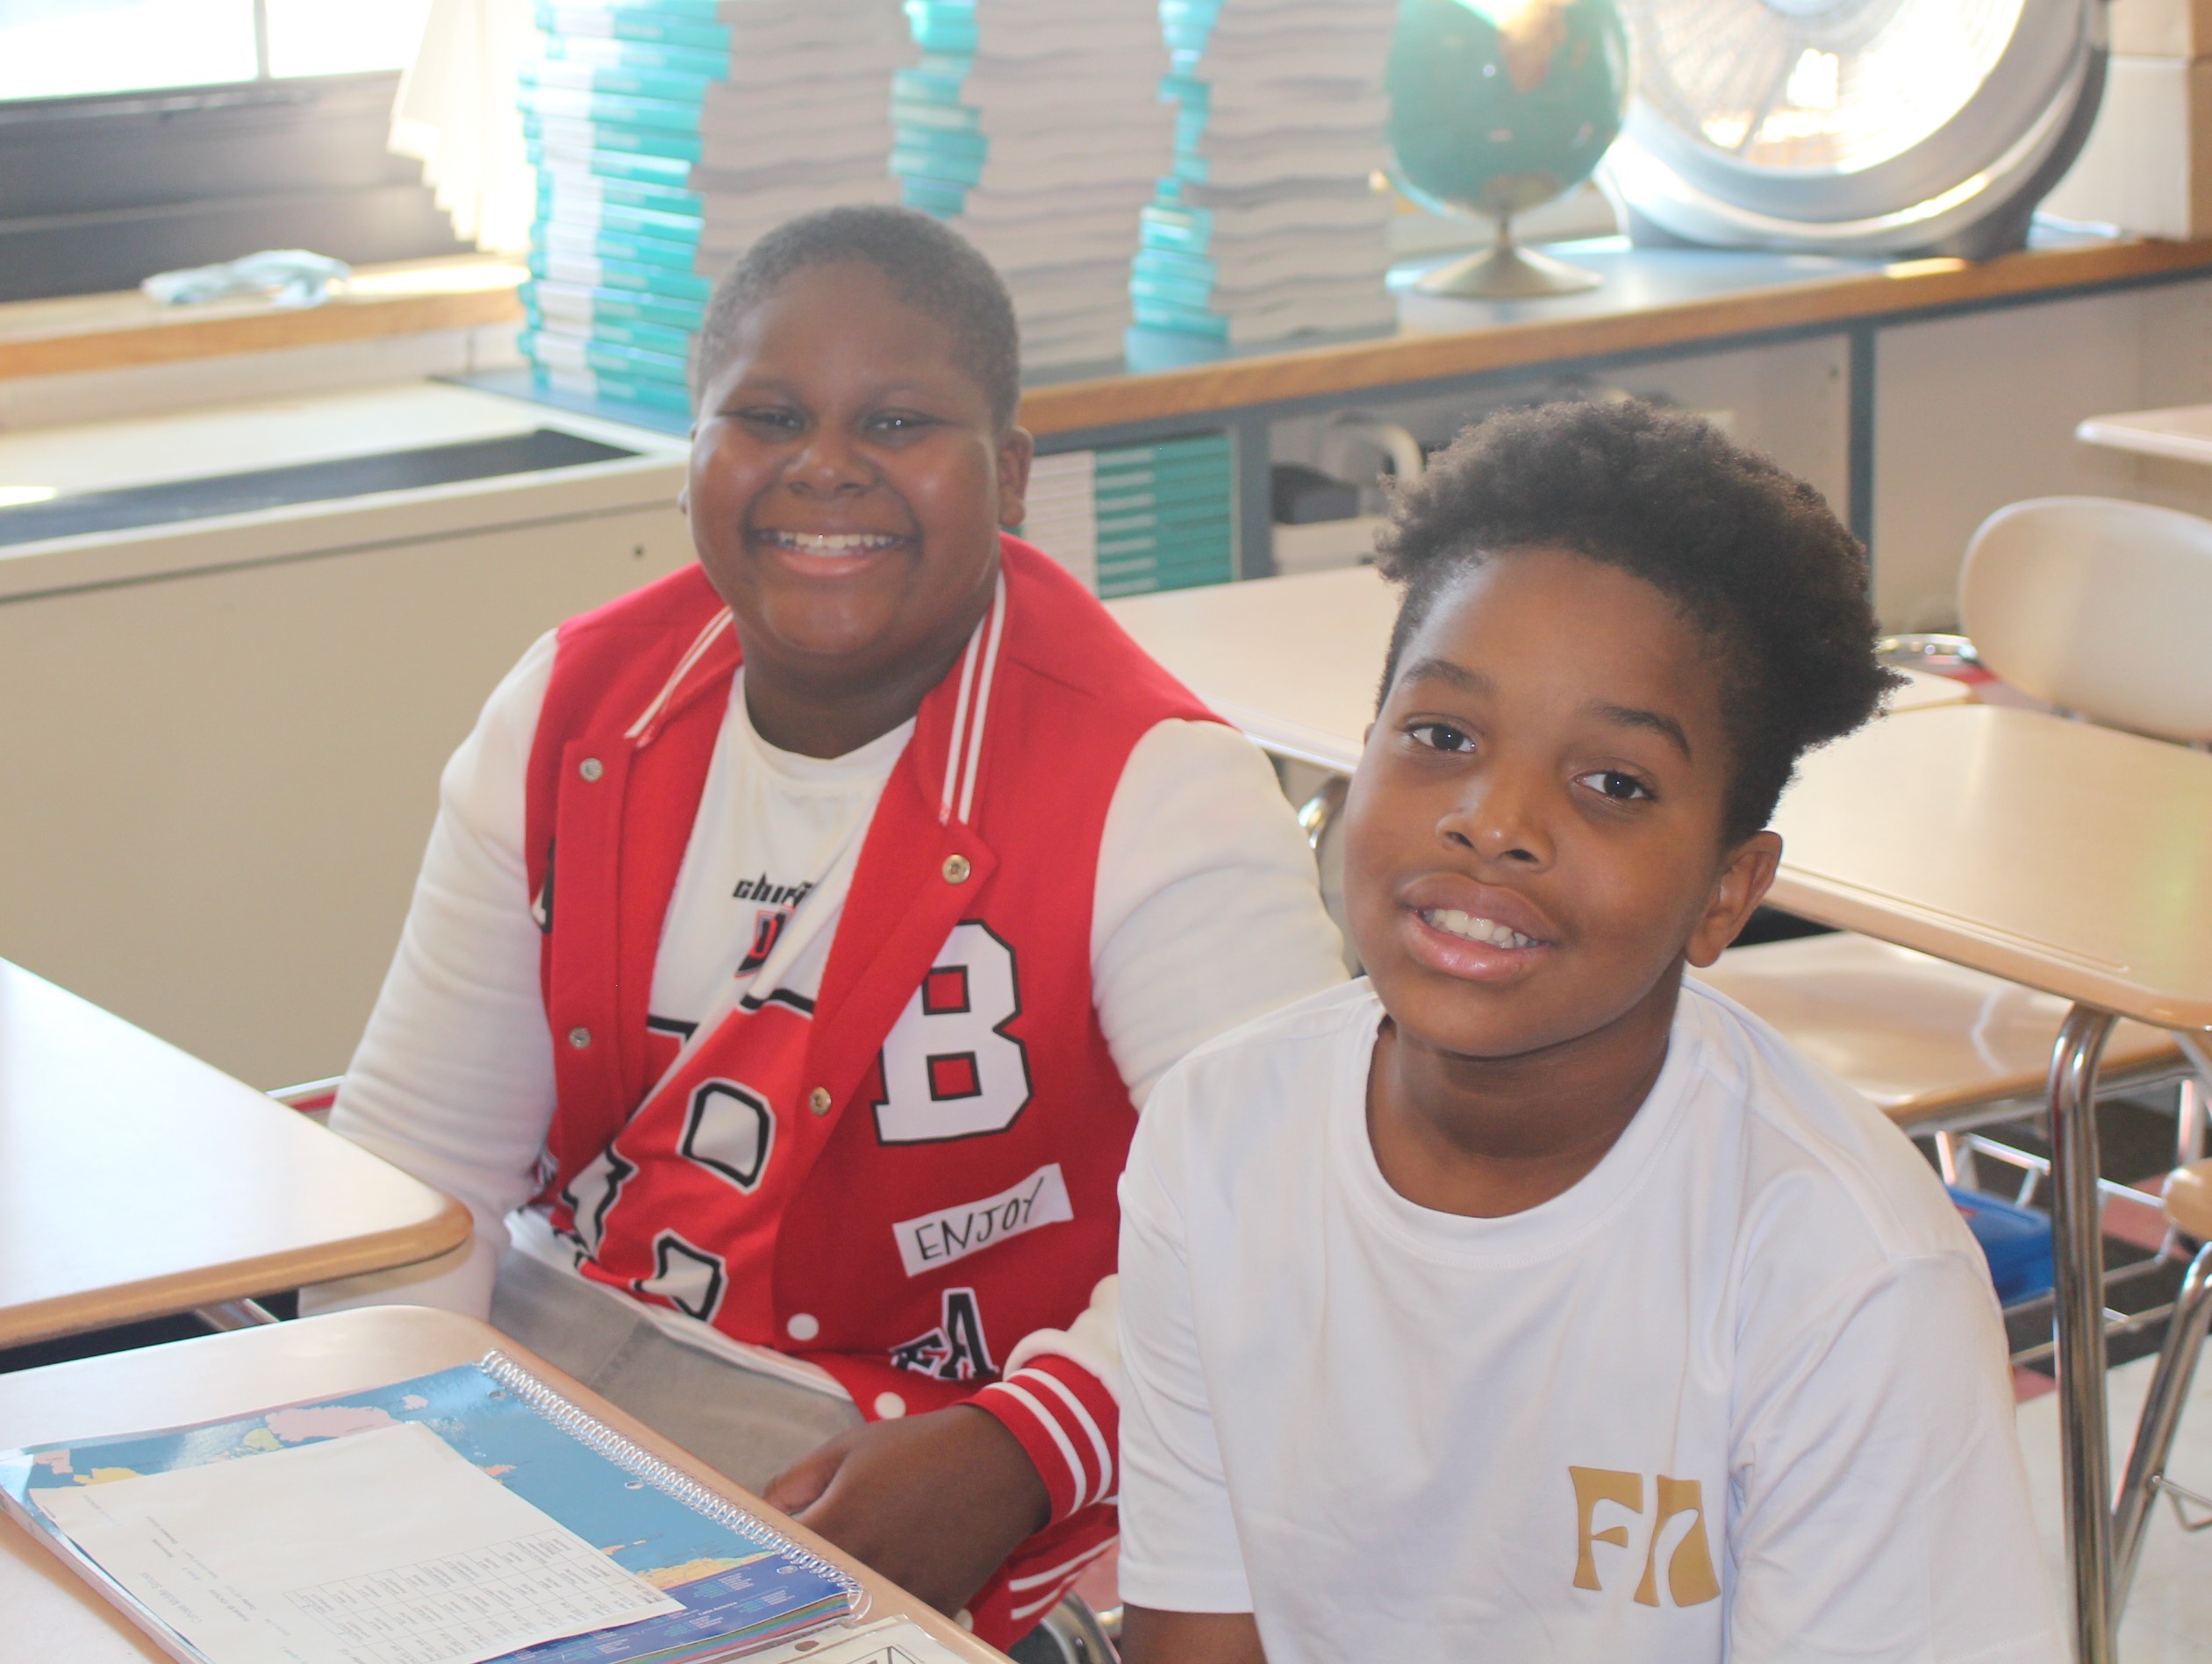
x=51, y=1614
x=2057, y=854
x=2183, y=432
x=2066, y=857
x=136, y=1181
x=1295, y=662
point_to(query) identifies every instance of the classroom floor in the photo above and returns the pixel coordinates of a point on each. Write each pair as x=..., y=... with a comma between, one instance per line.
x=2169, y=1616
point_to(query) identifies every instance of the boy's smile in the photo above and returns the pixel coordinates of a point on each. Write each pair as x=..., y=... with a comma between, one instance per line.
x=847, y=486
x=1533, y=849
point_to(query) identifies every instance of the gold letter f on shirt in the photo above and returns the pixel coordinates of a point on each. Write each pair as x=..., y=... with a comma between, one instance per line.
x=1690, y=1577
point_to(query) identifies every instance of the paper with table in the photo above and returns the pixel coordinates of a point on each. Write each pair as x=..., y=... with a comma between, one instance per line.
x=462, y=1516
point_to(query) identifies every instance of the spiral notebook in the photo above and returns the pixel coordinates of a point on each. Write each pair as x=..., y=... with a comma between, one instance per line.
x=463, y=1516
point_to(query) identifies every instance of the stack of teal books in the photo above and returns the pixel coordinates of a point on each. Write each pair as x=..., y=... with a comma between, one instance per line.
x=668, y=135
x=1133, y=519
x=1271, y=223
x=1037, y=129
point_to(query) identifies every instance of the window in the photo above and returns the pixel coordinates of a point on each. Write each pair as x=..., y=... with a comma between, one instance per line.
x=68, y=48
x=138, y=135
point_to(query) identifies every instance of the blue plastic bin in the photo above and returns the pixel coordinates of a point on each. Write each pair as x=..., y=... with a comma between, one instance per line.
x=2015, y=1241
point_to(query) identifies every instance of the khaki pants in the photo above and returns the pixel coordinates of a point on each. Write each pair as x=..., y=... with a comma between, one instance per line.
x=747, y=1425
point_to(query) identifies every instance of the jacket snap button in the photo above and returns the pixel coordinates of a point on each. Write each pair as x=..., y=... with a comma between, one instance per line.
x=579, y=1038
x=592, y=768
x=818, y=1100
x=957, y=869
x=803, y=1327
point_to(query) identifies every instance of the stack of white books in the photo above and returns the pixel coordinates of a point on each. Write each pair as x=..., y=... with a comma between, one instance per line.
x=1037, y=128
x=1272, y=223
x=668, y=135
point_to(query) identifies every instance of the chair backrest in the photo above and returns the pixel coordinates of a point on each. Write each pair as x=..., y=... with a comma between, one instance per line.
x=2100, y=606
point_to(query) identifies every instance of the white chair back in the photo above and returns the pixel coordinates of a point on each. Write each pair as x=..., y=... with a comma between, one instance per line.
x=2100, y=606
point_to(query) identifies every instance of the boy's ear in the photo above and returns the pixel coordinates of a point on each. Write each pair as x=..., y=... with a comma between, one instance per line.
x=1017, y=449
x=1744, y=879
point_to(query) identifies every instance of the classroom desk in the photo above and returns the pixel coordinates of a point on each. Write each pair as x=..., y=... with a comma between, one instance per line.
x=2183, y=432
x=2071, y=859
x=1294, y=662
x=2060, y=855
x=51, y=1613
x=136, y=1181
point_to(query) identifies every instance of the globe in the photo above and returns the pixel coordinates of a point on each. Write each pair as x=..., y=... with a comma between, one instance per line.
x=1498, y=106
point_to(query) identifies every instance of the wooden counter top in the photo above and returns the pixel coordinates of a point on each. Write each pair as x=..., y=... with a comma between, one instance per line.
x=1776, y=293
x=79, y=332
x=1654, y=299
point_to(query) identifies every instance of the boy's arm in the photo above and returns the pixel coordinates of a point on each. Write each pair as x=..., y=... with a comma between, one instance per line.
x=1884, y=1508
x=452, y=1081
x=1207, y=913
x=1189, y=1637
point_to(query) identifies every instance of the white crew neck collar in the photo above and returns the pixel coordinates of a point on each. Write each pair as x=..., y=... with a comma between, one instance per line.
x=1536, y=1233
x=872, y=761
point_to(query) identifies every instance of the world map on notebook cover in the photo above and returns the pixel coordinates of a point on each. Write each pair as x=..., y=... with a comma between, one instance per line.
x=742, y=1586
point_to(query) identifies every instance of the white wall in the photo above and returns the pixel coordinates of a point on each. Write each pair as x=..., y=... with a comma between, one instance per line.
x=1976, y=412
x=218, y=787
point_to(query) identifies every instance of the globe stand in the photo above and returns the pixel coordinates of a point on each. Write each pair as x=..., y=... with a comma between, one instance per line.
x=1506, y=271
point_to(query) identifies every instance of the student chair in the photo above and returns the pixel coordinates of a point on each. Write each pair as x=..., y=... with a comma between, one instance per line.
x=2098, y=607
x=2188, y=1204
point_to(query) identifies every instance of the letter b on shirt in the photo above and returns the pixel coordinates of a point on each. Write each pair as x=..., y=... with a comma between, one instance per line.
x=1680, y=1505
x=949, y=1069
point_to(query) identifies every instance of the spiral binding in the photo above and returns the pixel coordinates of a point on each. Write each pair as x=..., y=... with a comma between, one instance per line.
x=588, y=1431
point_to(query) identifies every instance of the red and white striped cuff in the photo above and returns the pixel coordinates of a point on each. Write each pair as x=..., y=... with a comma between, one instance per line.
x=1067, y=1421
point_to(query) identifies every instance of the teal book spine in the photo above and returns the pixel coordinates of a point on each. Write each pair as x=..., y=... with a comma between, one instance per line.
x=654, y=396
x=560, y=132
x=567, y=208
x=611, y=358
x=676, y=86
x=593, y=304
x=707, y=64
x=651, y=337
x=663, y=173
x=556, y=266
x=651, y=115
x=635, y=23
x=613, y=245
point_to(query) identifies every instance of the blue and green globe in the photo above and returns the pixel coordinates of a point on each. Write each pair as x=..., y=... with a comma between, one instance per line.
x=1499, y=106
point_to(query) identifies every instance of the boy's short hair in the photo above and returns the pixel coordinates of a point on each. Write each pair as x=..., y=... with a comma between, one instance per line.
x=932, y=266
x=1751, y=555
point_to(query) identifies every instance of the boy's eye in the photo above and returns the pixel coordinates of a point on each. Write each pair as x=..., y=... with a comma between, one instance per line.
x=1612, y=783
x=1442, y=736
x=769, y=416
x=896, y=422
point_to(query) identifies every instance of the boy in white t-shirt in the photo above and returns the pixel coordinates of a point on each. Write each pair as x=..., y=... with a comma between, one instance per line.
x=1523, y=1301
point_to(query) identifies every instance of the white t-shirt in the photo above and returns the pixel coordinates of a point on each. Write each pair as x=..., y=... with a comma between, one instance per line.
x=1205, y=913
x=770, y=823
x=1741, y=1393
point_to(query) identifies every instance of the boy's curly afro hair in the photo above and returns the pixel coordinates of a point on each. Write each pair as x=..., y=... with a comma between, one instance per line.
x=1751, y=555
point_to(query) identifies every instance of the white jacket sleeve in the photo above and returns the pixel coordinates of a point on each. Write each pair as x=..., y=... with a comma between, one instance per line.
x=1207, y=913
x=452, y=1081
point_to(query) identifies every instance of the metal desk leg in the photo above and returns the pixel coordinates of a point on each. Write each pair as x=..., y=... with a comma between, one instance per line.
x=234, y=1314
x=2078, y=1241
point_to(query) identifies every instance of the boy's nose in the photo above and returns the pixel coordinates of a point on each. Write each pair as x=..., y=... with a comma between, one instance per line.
x=826, y=464
x=1497, y=820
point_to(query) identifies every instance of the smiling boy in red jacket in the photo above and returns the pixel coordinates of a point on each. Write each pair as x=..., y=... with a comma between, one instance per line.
x=799, y=934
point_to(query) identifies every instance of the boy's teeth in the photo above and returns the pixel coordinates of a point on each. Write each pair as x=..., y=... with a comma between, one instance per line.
x=832, y=543
x=1476, y=930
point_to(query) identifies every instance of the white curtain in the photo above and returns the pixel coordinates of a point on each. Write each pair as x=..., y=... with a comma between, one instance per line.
x=457, y=111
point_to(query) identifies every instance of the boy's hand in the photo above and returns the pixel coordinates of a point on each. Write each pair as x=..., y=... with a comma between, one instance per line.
x=934, y=1503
